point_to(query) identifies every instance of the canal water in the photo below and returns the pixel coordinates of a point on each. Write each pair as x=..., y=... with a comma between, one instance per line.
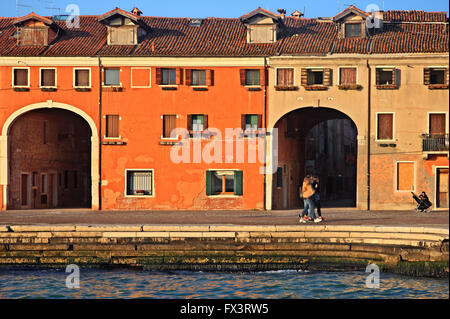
x=125, y=283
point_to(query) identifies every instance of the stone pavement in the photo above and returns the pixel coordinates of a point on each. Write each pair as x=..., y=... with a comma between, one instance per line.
x=334, y=216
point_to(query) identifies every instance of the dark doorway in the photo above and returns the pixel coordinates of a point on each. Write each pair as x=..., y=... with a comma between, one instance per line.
x=49, y=161
x=321, y=142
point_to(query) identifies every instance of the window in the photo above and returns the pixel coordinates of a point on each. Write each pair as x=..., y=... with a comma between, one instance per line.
x=21, y=77
x=168, y=77
x=250, y=123
x=405, y=176
x=435, y=76
x=169, y=124
x=48, y=78
x=197, y=122
x=279, y=177
x=33, y=36
x=385, y=76
x=198, y=77
x=347, y=76
x=112, y=126
x=66, y=179
x=139, y=183
x=436, y=124
x=226, y=182
x=352, y=30
x=252, y=77
x=140, y=78
x=122, y=35
x=385, y=124
x=262, y=33
x=112, y=77
x=314, y=77
x=285, y=77
x=82, y=78
x=44, y=183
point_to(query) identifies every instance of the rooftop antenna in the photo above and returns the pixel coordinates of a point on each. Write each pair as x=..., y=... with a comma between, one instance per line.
x=21, y=5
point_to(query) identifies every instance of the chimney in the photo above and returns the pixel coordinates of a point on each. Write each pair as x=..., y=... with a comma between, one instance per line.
x=297, y=14
x=282, y=13
x=136, y=11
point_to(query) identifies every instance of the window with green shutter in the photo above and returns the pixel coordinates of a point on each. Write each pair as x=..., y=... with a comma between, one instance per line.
x=224, y=182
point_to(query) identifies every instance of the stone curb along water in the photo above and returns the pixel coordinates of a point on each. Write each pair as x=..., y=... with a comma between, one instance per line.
x=212, y=246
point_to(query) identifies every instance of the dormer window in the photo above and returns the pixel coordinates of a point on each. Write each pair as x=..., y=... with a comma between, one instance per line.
x=34, y=30
x=123, y=28
x=351, y=22
x=353, y=30
x=262, y=26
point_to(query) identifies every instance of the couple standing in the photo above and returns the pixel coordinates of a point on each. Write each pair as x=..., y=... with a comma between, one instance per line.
x=311, y=200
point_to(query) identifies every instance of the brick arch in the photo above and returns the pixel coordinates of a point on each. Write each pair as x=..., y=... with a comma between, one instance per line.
x=4, y=142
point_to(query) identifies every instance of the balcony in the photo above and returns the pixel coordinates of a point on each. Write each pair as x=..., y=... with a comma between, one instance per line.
x=434, y=144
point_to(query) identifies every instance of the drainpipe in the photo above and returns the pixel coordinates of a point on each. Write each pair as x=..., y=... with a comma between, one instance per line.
x=369, y=130
x=100, y=86
x=266, y=75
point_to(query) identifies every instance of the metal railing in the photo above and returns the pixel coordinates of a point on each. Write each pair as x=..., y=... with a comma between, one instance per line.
x=435, y=143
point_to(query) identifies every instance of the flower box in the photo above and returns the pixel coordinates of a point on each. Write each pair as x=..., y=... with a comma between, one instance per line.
x=82, y=89
x=350, y=87
x=21, y=89
x=438, y=86
x=48, y=89
x=315, y=88
x=286, y=88
x=387, y=87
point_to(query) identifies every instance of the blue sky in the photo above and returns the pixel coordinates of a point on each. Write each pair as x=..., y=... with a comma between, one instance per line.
x=214, y=8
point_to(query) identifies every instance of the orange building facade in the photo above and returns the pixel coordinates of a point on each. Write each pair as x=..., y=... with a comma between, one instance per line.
x=128, y=112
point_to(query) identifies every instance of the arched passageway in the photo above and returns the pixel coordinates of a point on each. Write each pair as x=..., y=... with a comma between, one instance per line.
x=49, y=160
x=319, y=141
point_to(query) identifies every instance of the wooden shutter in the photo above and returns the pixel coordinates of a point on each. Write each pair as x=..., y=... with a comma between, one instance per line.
x=209, y=77
x=262, y=77
x=437, y=124
x=81, y=77
x=385, y=127
x=347, y=76
x=112, y=125
x=304, y=77
x=48, y=77
x=260, y=121
x=243, y=75
x=179, y=76
x=243, y=118
x=394, y=76
x=189, y=122
x=205, y=122
x=169, y=124
x=405, y=176
x=209, y=183
x=377, y=80
x=327, y=77
x=426, y=76
x=446, y=77
x=158, y=76
x=189, y=77
x=238, y=183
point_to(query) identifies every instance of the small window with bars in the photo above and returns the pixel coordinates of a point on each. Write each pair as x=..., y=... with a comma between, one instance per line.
x=139, y=183
x=112, y=126
x=48, y=78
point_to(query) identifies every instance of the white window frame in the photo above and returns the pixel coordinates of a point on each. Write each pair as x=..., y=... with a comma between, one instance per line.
x=139, y=170
x=149, y=80
x=393, y=128
x=112, y=138
x=82, y=86
x=287, y=67
x=319, y=68
x=396, y=177
x=40, y=78
x=168, y=138
x=12, y=77
x=347, y=67
x=120, y=77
